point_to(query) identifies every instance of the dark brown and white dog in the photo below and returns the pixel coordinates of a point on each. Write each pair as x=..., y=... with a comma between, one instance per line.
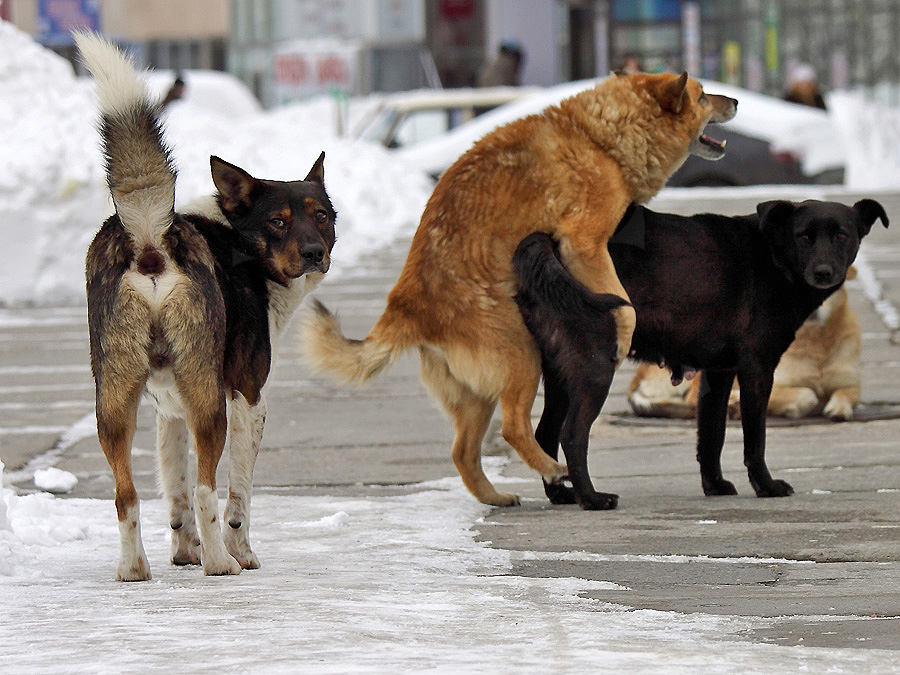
x=185, y=306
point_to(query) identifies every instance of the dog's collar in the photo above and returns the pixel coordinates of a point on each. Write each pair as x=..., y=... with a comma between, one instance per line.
x=632, y=228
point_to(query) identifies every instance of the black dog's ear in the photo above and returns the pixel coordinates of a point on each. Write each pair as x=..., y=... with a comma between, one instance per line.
x=772, y=213
x=869, y=211
x=317, y=172
x=235, y=186
x=772, y=219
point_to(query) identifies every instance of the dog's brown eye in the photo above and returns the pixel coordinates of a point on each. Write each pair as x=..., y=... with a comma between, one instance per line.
x=277, y=223
x=321, y=217
x=702, y=98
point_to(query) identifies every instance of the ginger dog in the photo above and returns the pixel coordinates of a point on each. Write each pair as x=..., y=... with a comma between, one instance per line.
x=570, y=171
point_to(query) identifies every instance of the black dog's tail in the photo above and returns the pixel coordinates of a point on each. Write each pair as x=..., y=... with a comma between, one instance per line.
x=139, y=168
x=545, y=281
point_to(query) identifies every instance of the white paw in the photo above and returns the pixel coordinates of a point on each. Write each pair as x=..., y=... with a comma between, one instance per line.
x=185, y=548
x=220, y=564
x=237, y=545
x=137, y=569
x=838, y=409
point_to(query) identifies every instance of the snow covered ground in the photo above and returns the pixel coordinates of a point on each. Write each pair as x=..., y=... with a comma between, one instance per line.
x=374, y=585
x=390, y=584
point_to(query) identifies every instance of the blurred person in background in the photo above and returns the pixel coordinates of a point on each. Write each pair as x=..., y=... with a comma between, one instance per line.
x=505, y=69
x=176, y=91
x=802, y=86
x=632, y=64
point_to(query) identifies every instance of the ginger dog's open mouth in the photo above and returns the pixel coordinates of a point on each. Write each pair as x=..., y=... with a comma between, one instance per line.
x=707, y=147
x=712, y=142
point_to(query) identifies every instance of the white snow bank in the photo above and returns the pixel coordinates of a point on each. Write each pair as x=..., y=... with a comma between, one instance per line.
x=30, y=524
x=870, y=132
x=52, y=188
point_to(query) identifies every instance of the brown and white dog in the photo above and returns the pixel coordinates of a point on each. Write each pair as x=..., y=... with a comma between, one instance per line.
x=185, y=306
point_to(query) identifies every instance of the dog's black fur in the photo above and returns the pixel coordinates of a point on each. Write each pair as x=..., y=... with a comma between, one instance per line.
x=566, y=348
x=713, y=292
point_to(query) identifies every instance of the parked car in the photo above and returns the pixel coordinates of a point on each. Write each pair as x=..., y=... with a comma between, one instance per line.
x=769, y=141
x=408, y=118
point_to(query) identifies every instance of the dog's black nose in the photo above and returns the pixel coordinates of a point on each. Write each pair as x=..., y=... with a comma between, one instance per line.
x=823, y=273
x=313, y=254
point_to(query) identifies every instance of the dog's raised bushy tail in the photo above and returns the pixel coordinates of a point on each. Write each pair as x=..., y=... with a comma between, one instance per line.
x=349, y=360
x=139, y=168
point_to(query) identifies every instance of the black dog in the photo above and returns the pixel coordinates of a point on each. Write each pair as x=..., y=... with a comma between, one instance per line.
x=578, y=364
x=721, y=294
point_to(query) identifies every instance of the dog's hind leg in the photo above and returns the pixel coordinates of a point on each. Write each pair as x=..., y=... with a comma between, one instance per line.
x=471, y=414
x=244, y=437
x=205, y=406
x=587, y=394
x=712, y=415
x=792, y=402
x=549, y=429
x=117, y=405
x=516, y=400
x=174, y=475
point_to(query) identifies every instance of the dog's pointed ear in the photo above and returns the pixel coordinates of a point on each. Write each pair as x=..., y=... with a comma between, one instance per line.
x=317, y=172
x=869, y=211
x=672, y=95
x=235, y=186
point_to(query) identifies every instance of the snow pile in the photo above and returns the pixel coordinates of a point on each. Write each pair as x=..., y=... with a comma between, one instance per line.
x=49, y=172
x=871, y=134
x=53, y=195
x=210, y=90
x=30, y=524
x=6, y=539
x=55, y=480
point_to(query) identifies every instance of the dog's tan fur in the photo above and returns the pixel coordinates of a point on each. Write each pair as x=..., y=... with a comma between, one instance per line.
x=571, y=172
x=818, y=374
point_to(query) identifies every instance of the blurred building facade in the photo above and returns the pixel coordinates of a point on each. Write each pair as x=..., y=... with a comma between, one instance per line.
x=287, y=49
x=161, y=33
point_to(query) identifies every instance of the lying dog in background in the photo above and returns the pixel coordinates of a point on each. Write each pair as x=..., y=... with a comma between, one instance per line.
x=571, y=171
x=722, y=294
x=186, y=306
x=817, y=375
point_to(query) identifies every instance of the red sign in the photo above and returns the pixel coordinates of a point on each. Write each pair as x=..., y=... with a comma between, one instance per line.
x=292, y=69
x=332, y=70
x=457, y=9
x=298, y=73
